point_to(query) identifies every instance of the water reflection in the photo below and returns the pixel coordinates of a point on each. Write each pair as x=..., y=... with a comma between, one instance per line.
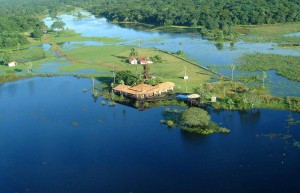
x=31, y=87
x=250, y=117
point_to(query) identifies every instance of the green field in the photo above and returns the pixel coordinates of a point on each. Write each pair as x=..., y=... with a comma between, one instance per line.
x=71, y=36
x=107, y=58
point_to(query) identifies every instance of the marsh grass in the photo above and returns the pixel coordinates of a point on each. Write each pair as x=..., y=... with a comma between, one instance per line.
x=286, y=66
x=269, y=32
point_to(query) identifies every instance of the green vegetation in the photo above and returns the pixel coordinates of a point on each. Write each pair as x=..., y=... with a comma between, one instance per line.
x=286, y=66
x=68, y=35
x=208, y=13
x=193, y=119
x=269, y=32
x=234, y=95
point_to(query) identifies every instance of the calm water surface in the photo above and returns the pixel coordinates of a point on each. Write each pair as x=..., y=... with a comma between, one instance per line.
x=196, y=48
x=55, y=139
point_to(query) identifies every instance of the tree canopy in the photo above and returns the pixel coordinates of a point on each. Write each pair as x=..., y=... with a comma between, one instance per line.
x=196, y=117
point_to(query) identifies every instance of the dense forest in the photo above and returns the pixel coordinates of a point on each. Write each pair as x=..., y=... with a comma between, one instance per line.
x=211, y=14
x=20, y=16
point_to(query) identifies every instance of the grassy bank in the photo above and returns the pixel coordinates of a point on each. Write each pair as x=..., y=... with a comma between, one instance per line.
x=286, y=66
x=72, y=36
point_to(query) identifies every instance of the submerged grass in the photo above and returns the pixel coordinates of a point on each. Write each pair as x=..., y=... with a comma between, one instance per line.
x=286, y=66
x=269, y=32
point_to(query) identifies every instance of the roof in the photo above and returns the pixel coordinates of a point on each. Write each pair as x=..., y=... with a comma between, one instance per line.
x=193, y=96
x=131, y=59
x=143, y=88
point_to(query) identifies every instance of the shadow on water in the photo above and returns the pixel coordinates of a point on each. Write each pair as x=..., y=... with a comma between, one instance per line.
x=250, y=117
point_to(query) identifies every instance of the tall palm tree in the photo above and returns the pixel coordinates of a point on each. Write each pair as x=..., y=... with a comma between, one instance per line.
x=28, y=66
x=263, y=77
x=232, y=68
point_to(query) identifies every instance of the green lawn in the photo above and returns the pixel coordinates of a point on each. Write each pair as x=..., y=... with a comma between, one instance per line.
x=107, y=58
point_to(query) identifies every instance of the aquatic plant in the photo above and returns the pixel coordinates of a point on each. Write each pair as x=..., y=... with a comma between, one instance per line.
x=112, y=104
x=74, y=123
x=296, y=144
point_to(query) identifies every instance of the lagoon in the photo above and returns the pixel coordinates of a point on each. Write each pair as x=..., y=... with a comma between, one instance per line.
x=55, y=138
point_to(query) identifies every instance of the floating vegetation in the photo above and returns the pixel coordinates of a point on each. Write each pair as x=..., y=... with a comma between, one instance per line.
x=74, y=123
x=84, y=90
x=291, y=121
x=296, y=144
x=103, y=103
x=285, y=137
x=100, y=121
x=112, y=104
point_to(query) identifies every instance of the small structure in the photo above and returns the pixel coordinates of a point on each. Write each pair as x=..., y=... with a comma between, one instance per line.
x=213, y=99
x=144, y=60
x=12, y=64
x=144, y=90
x=193, y=96
x=132, y=60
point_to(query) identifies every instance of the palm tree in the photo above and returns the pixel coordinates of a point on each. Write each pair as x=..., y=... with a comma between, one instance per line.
x=232, y=68
x=133, y=53
x=263, y=77
x=122, y=83
x=28, y=66
x=231, y=103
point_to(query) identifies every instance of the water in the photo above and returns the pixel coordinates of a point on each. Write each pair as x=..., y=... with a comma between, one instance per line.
x=195, y=47
x=54, y=138
x=293, y=34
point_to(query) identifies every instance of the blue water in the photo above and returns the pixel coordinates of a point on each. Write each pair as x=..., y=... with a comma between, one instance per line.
x=55, y=139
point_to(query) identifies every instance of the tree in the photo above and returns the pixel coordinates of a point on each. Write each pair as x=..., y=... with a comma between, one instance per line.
x=29, y=67
x=195, y=117
x=231, y=103
x=127, y=77
x=58, y=25
x=133, y=53
x=7, y=56
x=37, y=33
x=263, y=77
x=232, y=68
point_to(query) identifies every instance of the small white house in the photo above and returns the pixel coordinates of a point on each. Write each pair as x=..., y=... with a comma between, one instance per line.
x=213, y=99
x=12, y=64
x=132, y=60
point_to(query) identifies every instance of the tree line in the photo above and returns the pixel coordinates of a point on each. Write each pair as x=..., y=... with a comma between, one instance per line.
x=211, y=14
x=19, y=16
